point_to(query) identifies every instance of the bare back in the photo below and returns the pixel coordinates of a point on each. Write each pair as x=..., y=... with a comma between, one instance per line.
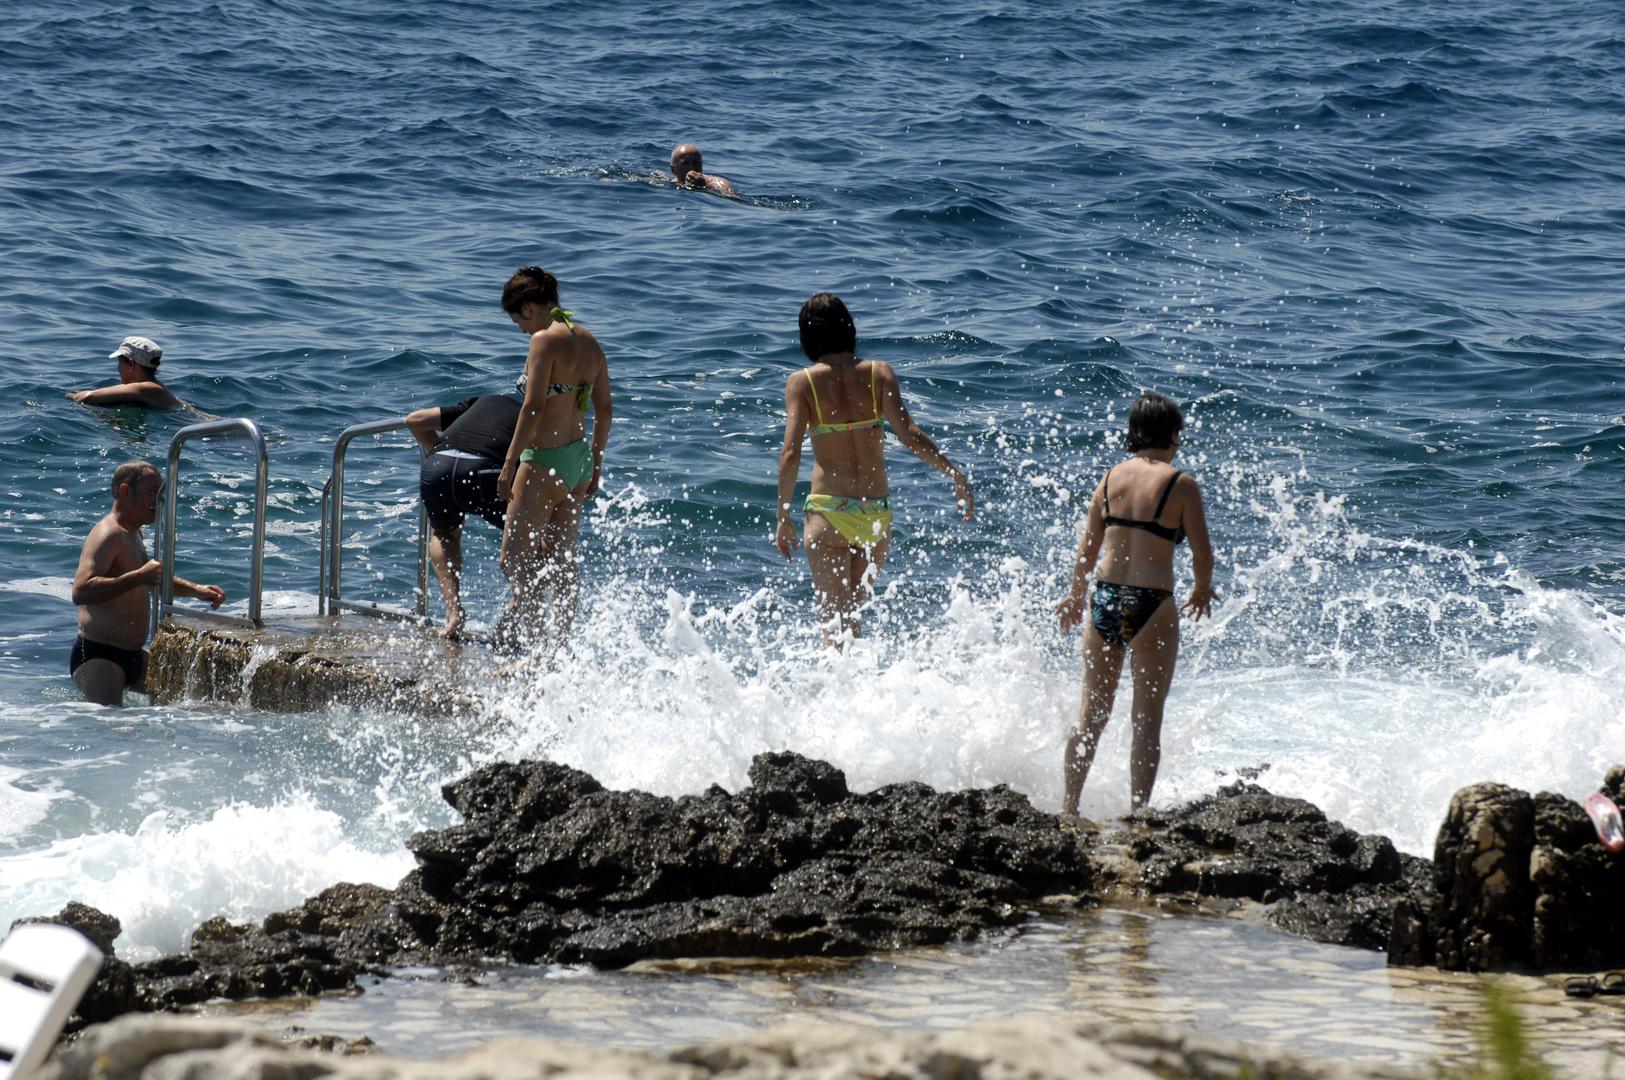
x=560, y=356
x=1134, y=488
x=111, y=550
x=849, y=460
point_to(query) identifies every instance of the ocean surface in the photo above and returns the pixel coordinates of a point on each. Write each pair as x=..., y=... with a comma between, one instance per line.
x=1377, y=249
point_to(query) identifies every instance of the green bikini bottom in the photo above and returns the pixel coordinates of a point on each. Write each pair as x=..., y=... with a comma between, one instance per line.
x=571, y=463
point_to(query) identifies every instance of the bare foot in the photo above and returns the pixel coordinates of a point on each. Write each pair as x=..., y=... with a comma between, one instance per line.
x=513, y=667
x=1072, y=822
x=453, y=630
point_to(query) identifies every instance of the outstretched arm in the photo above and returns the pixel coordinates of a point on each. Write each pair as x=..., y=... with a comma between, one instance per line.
x=1070, y=610
x=424, y=425
x=214, y=594
x=143, y=393
x=910, y=435
x=795, y=427
x=1200, y=601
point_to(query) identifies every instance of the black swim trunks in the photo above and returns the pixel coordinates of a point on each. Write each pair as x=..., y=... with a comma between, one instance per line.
x=453, y=483
x=133, y=661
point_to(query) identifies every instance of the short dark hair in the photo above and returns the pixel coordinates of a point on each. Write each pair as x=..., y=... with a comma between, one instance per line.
x=1152, y=423
x=827, y=327
x=131, y=473
x=530, y=285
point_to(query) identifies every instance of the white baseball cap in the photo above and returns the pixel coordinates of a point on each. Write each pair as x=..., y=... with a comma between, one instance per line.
x=143, y=351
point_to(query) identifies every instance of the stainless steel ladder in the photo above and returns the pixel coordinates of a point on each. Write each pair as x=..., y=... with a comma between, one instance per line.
x=329, y=597
x=166, y=595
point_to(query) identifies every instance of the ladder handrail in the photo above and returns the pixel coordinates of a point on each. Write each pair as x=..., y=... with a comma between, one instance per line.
x=329, y=596
x=240, y=425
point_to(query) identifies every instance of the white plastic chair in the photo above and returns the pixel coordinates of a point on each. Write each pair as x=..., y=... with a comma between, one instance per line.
x=60, y=963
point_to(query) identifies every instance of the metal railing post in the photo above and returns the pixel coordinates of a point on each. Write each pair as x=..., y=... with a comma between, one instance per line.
x=330, y=591
x=166, y=593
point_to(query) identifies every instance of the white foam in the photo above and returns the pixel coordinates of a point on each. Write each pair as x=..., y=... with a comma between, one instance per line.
x=22, y=808
x=59, y=587
x=1374, y=677
x=243, y=862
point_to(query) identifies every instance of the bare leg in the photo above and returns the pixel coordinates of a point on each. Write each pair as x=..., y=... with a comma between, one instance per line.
x=536, y=496
x=1155, y=648
x=865, y=568
x=1102, y=668
x=101, y=681
x=829, y=557
x=562, y=572
x=446, y=556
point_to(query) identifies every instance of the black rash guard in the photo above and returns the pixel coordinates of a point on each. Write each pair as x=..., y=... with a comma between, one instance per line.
x=480, y=425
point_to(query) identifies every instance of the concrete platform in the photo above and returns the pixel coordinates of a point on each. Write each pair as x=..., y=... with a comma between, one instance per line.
x=301, y=663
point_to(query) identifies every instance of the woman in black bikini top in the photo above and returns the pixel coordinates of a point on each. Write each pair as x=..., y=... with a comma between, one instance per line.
x=1130, y=609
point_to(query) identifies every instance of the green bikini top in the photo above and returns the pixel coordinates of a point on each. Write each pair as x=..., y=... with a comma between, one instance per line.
x=822, y=428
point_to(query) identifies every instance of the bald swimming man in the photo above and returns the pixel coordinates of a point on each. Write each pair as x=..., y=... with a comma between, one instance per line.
x=686, y=164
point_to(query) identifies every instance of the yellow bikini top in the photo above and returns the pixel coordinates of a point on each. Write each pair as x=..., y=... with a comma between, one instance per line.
x=822, y=428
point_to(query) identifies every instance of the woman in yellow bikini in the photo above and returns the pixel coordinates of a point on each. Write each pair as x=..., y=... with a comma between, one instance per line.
x=841, y=402
x=550, y=471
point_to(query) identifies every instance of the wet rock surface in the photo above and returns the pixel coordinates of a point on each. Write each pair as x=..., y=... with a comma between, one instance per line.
x=1321, y=879
x=1038, y=1048
x=550, y=867
x=305, y=663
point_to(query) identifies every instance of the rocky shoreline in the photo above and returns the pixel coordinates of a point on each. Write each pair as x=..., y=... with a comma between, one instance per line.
x=1037, y=1048
x=550, y=867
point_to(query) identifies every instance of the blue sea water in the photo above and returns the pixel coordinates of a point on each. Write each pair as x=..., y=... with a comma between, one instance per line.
x=1374, y=247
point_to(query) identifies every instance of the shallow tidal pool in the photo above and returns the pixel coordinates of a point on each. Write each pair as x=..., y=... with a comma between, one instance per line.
x=1220, y=977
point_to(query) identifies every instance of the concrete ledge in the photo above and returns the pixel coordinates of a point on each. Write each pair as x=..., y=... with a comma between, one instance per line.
x=307, y=663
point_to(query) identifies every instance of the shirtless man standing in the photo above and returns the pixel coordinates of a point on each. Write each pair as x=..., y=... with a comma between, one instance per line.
x=138, y=384
x=113, y=588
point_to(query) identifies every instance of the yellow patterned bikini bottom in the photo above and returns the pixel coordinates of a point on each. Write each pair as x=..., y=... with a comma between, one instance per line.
x=861, y=522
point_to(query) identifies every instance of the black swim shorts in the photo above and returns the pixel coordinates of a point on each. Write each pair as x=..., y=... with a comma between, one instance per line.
x=133, y=661
x=454, y=483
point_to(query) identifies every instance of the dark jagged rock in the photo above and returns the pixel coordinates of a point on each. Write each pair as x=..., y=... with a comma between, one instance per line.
x=549, y=866
x=1325, y=881
x=97, y=926
x=1519, y=882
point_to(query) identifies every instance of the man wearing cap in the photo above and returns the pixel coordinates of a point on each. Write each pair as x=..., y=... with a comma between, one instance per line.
x=113, y=587
x=685, y=167
x=138, y=384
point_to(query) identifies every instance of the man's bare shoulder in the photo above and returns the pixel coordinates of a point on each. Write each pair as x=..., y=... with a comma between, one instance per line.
x=155, y=395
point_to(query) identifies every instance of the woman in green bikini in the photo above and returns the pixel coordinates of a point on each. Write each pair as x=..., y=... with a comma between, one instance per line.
x=841, y=402
x=550, y=471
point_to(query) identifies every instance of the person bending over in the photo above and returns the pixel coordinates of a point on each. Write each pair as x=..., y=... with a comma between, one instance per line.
x=138, y=384
x=113, y=588
x=1142, y=509
x=841, y=402
x=466, y=445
